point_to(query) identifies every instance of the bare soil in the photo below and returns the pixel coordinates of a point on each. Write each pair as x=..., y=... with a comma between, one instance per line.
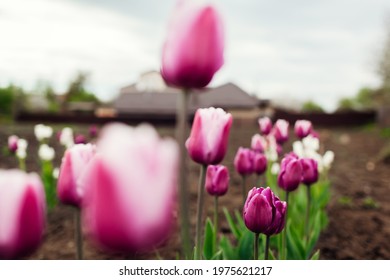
x=359, y=211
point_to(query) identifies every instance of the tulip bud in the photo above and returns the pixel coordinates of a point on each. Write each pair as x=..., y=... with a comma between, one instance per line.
x=42, y=132
x=209, y=136
x=22, y=147
x=328, y=159
x=265, y=125
x=259, y=143
x=244, y=161
x=22, y=213
x=303, y=128
x=93, y=131
x=290, y=174
x=260, y=163
x=69, y=188
x=13, y=143
x=193, y=50
x=46, y=152
x=130, y=188
x=264, y=212
x=80, y=139
x=280, y=131
x=309, y=171
x=217, y=180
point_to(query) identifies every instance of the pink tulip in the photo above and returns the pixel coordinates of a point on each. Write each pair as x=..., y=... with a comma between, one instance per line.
x=209, y=136
x=217, y=180
x=93, y=131
x=264, y=212
x=265, y=125
x=280, y=131
x=259, y=143
x=244, y=161
x=80, y=139
x=13, y=143
x=129, y=188
x=259, y=163
x=22, y=213
x=309, y=171
x=303, y=128
x=193, y=50
x=69, y=189
x=290, y=174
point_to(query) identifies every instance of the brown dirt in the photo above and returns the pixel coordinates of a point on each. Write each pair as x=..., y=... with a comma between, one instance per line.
x=359, y=211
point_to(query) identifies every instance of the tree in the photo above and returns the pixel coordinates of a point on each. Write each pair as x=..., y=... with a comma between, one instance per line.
x=311, y=106
x=384, y=61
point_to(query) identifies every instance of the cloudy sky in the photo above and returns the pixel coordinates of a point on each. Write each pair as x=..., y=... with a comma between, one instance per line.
x=285, y=50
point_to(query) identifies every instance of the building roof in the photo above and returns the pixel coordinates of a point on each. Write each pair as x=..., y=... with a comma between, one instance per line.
x=227, y=96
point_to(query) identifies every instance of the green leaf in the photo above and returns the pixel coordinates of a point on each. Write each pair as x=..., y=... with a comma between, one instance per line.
x=271, y=255
x=316, y=255
x=245, y=246
x=218, y=255
x=232, y=225
x=295, y=249
x=209, y=240
x=228, y=251
x=240, y=221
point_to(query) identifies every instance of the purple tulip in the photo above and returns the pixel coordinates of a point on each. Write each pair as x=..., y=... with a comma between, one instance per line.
x=13, y=143
x=264, y=212
x=290, y=174
x=22, y=213
x=259, y=163
x=244, y=161
x=217, y=180
x=80, y=139
x=259, y=143
x=209, y=136
x=303, y=128
x=280, y=131
x=193, y=50
x=130, y=188
x=265, y=125
x=309, y=171
x=69, y=189
x=93, y=131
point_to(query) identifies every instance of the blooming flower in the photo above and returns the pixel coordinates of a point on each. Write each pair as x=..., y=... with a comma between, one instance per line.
x=193, y=50
x=22, y=213
x=217, y=180
x=69, y=188
x=13, y=143
x=265, y=125
x=42, y=132
x=22, y=147
x=264, y=212
x=80, y=139
x=303, y=128
x=209, y=136
x=259, y=143
x=129, y=188
x=244, y=161
x=66, y=137
x=259, y=163
x=290, y=174
x=280, y=131
x=46, y=152
x=309, y=171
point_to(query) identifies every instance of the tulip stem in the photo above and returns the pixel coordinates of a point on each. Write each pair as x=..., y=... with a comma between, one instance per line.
x=181, y=134
x=202, y=180
x=266, y=247
x=284, y=234
x=216, y=227
x=78, y=236
x=244, y=193
x=307, y=228
x=22, y=164
x=256, y=247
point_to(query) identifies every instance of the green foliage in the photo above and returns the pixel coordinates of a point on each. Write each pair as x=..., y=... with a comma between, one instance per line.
x=345, y=201
x=10, y=97
x=370, y=203
x=49, y=183
x=77, y=91
x=311, y=106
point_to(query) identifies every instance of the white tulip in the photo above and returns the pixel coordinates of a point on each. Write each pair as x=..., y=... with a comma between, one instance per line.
x=46, y=152
x=42, y=132
x=22, y=147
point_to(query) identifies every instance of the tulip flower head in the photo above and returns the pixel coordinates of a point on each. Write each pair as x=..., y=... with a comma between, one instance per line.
x=70, y=189
x=280, y=131
x=259, y=143
x=22, y=213
x=309, y=171
x=303, y=128
x=93, y=131
x=66, y=137
x=209, y=136
x=22, y=147
x=193, y=50
x=80, y=139
x=264, y=212
x=129, y=188
x=265, y=125
x=42, y=132
x=217, y=180
x=259, y=163
x=290, y=174
x=244, y=161
x=13, y=143
x=46, y=152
